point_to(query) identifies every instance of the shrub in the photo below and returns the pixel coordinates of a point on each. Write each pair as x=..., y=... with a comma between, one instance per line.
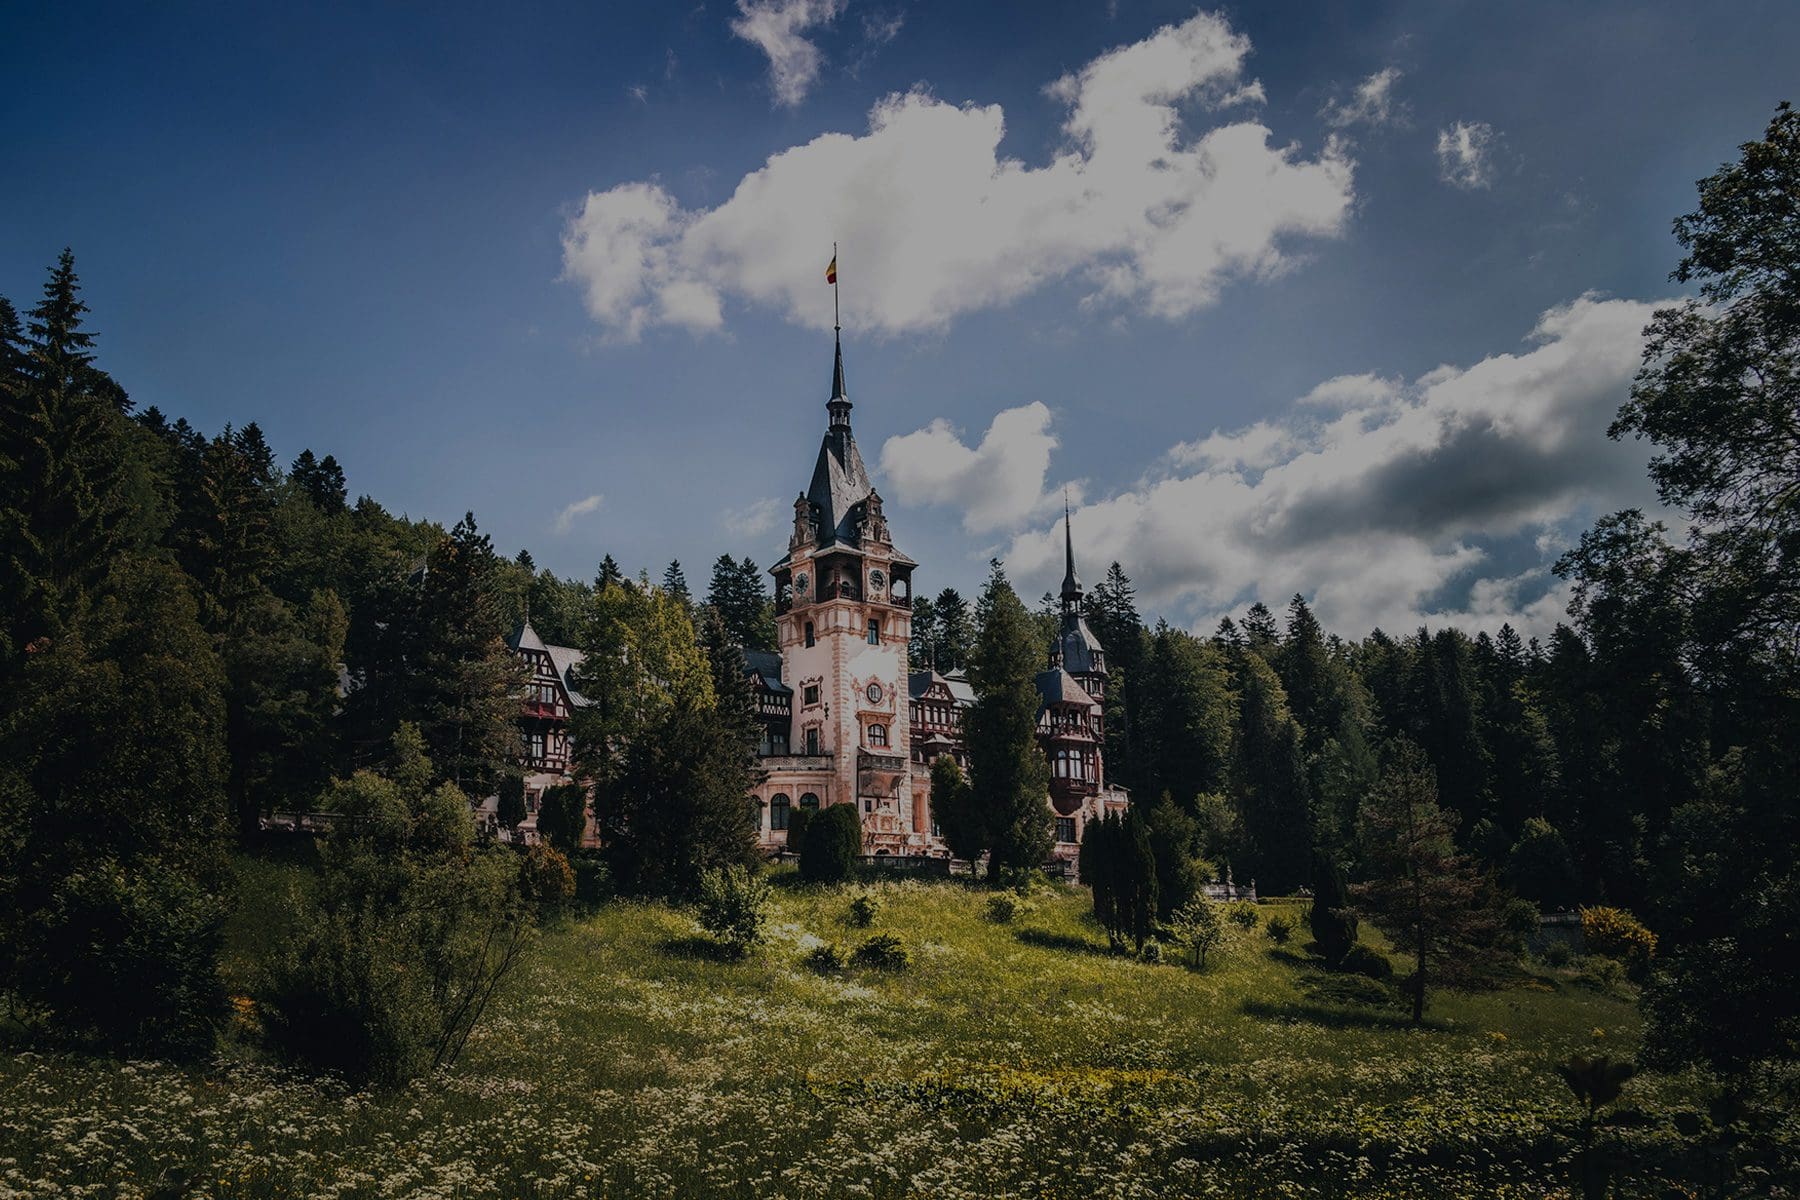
x=1603, y=974
x=1540, y=867
x=734, y=908
x=1152, y=952
x=1348, y=989
x=408, y=932
x=833, y=842
x=1004, y=909
x=1332, y=920
x=864, y=908
x=883, y=952
x=1615, y=933
x=1242, y=913
x=1367, y=961
x=546, y=880
x=826, y=959
x=1199, y=927
x=1280, y=928
x=798, y=819
x=1557, y=953
x=562, y=816
x=593, y=878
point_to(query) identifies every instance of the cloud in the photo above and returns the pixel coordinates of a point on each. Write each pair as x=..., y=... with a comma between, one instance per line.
x=776, y=27
x=1134, y=207
x=753, y=519
x=581, y=508
x=1371, y=103
x=1465, y=154
x=996, y=484
x=1385, y=502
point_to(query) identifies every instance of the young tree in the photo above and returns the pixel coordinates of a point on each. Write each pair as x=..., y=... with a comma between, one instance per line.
x=1011, y=777
x=954, y=810
x=1332, y=920
x=1175, y=844
x=1425, y=896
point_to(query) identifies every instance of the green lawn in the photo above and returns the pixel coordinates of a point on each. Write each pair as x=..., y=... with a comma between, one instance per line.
x=1008, y=1060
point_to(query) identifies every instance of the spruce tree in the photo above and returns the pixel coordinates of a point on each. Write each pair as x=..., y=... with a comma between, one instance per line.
x=1269, y=778
x=1011, y=776
x=674, y=582
x=954, y=810
x=956, y=631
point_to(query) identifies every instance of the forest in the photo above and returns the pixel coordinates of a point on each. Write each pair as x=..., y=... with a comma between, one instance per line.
x=194, y=635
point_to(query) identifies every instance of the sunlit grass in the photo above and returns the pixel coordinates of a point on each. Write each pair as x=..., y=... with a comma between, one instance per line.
x=1009, y=1059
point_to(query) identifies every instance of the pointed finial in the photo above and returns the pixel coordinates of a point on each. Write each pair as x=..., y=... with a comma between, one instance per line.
x=1071, y=584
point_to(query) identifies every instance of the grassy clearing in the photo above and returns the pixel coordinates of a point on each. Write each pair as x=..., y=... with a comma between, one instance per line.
x=1008, y=1060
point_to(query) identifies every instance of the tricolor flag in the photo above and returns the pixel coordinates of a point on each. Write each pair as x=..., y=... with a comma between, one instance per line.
x=831, y=271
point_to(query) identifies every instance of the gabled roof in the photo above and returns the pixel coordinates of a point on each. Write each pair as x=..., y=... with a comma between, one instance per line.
x=525, y=638
x=1076, y=645
x=960, y=687
x=1057, y=686
x=766, y=666
x=565, y=659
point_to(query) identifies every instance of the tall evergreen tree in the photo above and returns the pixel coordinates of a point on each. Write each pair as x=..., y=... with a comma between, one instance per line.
x=921, y=652
x=956, y=631
x=1182, y=690
x=1011, y=776
x=674, y=582
x=1269, y=779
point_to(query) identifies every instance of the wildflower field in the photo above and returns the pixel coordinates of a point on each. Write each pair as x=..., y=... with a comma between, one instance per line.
x=1014, y=1058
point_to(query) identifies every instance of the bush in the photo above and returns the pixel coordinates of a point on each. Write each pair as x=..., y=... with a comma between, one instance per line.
x=1004, y=909
x=1332, y=920
x=864, y=908
x=562, y=816
x=1280, y=928
x=1615, y=933
x=833, y=843
x=407, y=933
x=1199, y=927
x=734, y=908
x=883, y=952
x=593, y=878
x=1152, y=952
x=1557, y=953
x=546, y=880
x=1540, y=867
x=826, y=959
x=1242, y=913
x=1367, y=961
x=1603, y=974
x=798, y=819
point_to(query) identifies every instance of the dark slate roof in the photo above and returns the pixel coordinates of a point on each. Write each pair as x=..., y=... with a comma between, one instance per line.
x=840, y=483
x=1076, y=645
x=1057, y=686
x=767, y=666
x=565, y=659
x=525, y=638
x=960, y=687
x=919, y=682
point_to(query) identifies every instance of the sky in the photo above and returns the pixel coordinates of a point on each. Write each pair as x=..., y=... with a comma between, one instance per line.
x=1310, y=298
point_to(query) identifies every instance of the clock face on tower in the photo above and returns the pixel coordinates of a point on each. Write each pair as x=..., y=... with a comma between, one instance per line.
x=800, y=584
x=873, y=693
x=876, y=579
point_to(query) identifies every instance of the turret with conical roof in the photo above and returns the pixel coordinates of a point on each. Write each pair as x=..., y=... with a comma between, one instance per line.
x=1077, y=650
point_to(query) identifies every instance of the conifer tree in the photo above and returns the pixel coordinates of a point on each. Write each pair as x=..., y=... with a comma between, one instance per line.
x=956, y=631
x=1011, y=777
x=1184, y=725
x=921, y=652
x=1425, y=896
x=954, y=810
x=1269, y=778
x=674, y=582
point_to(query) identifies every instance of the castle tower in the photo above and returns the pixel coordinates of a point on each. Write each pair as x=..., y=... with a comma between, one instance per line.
x=1077, y=650
x=843, y=604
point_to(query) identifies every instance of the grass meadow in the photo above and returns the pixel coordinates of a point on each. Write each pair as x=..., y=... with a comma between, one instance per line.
x=1015, y=1059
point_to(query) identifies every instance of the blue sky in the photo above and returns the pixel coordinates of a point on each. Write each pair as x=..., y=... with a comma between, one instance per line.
x=1298, y=297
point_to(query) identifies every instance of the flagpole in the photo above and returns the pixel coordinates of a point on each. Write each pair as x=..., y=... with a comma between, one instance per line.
x=836, y=326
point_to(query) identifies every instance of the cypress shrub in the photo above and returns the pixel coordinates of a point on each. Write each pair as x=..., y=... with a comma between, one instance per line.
x=833, y=842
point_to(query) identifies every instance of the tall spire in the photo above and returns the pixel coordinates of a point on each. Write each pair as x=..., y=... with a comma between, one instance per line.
x=839, y=404
x=1071, y=584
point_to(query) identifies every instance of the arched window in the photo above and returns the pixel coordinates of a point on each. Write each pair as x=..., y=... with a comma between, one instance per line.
x=878, y=736
x=778, y=811
x=809, y=802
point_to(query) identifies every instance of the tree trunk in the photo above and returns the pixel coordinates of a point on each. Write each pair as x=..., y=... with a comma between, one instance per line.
x=1418, y=1013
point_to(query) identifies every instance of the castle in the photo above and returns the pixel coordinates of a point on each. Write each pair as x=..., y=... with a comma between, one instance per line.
x=845, y=720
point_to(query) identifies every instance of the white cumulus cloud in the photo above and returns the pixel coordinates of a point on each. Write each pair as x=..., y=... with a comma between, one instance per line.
x=778, y=28
x=1384, y=501
x=933, y=222
x=1465, y=154
x=565, y=519
x=996, y=484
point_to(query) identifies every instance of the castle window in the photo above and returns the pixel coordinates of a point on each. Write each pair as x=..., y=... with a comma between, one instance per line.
x=778, y=811
x=878, y=736
x=812, y=740
x=1065, y=829
x=809, y=802
x=810, y=694
x=756, y=809
x=875, y=632
x=809, y=633
x=534, y=745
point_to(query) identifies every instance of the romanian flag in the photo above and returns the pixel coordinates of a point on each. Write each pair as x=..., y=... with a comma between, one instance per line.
x=831, y=271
